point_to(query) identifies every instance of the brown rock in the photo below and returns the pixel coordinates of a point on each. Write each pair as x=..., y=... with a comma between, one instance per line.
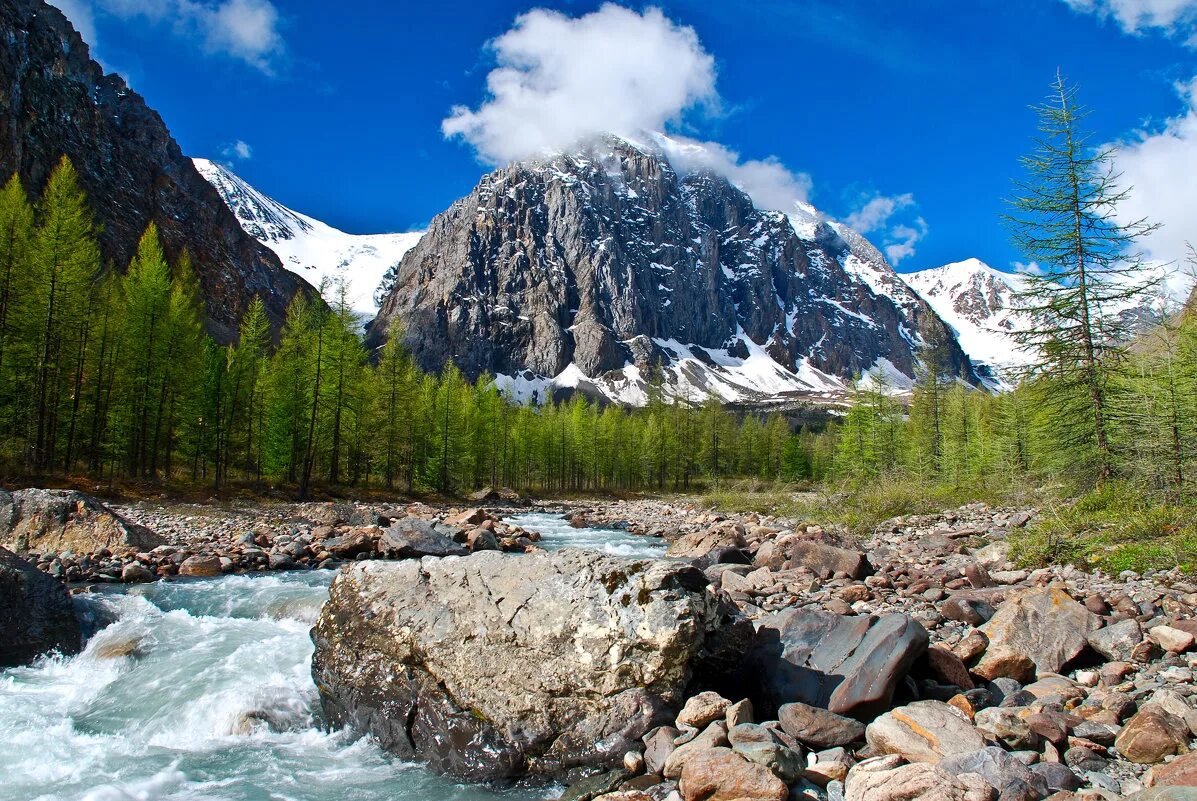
x=1036, y=630
x=882, y=779
x=703, y=709
x=200, y=565
x=818, y=728
x=924, y=731
x=719, y=774
x=1180, y=772
x=1151, y=735
x=948, y=668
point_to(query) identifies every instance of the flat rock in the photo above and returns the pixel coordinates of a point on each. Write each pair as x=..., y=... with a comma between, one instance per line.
x=36, y=613
x=487, y=672
x=847, y=664
x=924, y=731
x=1035, y=631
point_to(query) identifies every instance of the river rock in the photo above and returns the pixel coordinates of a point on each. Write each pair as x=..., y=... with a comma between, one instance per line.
x=818, y=728
x=1151, y=735
x=703, y=709
x=414, y=537
x=1180, y=772
x=489, y=668
x=36, y=613
x=201, y=566
x=44, y=521
x=819, y=557
x=1035, y=630
x=720, y=774
x=885, y=779
x=924, y=731
x=848, y=664
x=699, y=543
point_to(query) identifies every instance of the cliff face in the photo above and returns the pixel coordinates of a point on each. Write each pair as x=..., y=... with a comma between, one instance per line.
x=55, y=100
x=595, y=266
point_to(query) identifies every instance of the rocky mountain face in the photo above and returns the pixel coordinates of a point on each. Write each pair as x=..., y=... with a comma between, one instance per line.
x=312, y=249
x=979, y=304
x=596, y=269
x=55, y=100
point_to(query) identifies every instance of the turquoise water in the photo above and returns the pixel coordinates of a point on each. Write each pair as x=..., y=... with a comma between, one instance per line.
x=216, y=703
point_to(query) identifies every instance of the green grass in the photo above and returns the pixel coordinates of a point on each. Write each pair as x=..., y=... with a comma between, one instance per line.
x=1115, y=527
x=858, y=508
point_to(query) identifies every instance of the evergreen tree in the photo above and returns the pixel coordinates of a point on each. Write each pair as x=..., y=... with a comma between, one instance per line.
x=16, y=238
x=1065, y=220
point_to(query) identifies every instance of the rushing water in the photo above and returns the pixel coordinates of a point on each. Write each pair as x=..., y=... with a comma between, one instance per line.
x=214, y=703
x=556, y=533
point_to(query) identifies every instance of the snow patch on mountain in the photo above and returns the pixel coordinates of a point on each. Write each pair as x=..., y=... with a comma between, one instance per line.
x=979, y=303
x=312, y=249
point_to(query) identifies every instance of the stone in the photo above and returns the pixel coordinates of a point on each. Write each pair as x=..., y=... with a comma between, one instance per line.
x=1117, y=641
x=495, y=666
x=948, y=668
x=739, y=712
x=37, y=615
x=201, y=566
x=593, y=787
x=633, y=762
x=136, y=573
x=414, y=537
x=470, y=518
x=348, y=545
x=713, y=736
x=1151, y=735
x=757, y=744
x=972, y=611
x=44, y=520
x=824, y=559
x=480, y=539
x=700, y=543
x=1163, y=794
x=719, y=774
x=1057, y=776
x=1170, y=639
x=1013, y=780
x=1008, y=724
x=880, y=779
x=818, y=728
x=1035, y=631
x=924, y=731
x=703, y=709
x=658, y=745
x=848, y=664
x=1180, y=772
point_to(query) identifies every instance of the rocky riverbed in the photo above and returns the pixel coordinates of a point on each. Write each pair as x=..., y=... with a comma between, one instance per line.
x=763, y=658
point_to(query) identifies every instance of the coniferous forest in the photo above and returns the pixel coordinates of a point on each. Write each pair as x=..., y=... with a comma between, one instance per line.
x=109, y=373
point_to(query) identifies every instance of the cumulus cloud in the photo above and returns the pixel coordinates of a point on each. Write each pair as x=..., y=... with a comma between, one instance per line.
x=246, y=30
x=877, y=215
x=769, y=183
x=560, y=79
x=1174, y=17
x=238, y=150
x=1157, y=166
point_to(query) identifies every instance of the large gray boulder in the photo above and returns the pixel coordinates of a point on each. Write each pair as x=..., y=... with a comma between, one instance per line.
x=848, y=664
x=1035, y=631
x=52, y=521
x=414, y=537
x=36, y=613
x=495, y=666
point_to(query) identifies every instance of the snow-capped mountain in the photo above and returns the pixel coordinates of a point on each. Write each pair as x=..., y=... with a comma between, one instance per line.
x=600, y=269
x=978, y=303
x=312, y=249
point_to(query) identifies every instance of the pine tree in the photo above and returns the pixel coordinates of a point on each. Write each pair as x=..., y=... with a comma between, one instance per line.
x=16, y=238
x=1065, y=219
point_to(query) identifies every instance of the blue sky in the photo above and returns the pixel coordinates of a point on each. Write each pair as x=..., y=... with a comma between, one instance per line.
x=920, y=107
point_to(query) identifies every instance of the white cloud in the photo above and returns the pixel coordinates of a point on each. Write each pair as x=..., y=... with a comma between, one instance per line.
x=769, y=183
x=1027, y=268
x=247, y=30
x=239, y=150
x=1174, y=17
x=560, y=79
x=877, y=216
x=1158, y=168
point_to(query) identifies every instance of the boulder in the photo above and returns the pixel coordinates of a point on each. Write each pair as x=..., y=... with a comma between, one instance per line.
x=703, y=709
x=52, y=521
x=720, y=774
x=847, y=664
x=713, y=736
x=819, y=557
x=1151, y=735
x=36, y=613
x=349, y=545
x=201, y=566
x=496, y=666
x=924, y=731
x=885, y=779
x=415, y=537
x=1180, y=772
x=1035, y=631
x=699, y=543
x=818, y=728
x=756, y=743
